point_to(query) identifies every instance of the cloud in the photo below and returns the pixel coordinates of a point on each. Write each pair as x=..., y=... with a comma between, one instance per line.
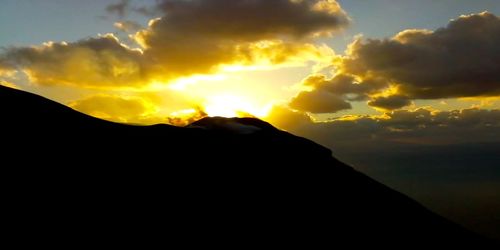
x=348, y=86
x=255, y=20
x=146, y=11
x=329, y=95
x=118, y=108
x=319, y=102
x=190, y=38
x=459, y=60
x=120, y=8
x=198, y=36
x=101, y=62
x=285, y=118
x=390, y=102
x=9, y=84
x=6, y=69
x=144, y=107
x=127, y=26
x=394, y=129
x=423, y=153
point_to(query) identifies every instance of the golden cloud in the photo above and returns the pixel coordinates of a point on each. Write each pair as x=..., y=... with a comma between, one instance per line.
x=190, y=38
x=101, y=62
x=127, y=26
x=119, y=109
x=420, y=126
x=9, y=84
x=228, y=32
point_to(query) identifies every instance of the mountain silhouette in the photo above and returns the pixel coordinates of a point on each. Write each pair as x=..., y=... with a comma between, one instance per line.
x=225, y=182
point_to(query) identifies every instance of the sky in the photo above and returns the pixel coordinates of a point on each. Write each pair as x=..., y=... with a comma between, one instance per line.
x=406, y=91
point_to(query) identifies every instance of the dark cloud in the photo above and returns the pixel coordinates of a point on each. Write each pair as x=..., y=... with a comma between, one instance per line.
x=319, y=102
x=4, y=66
x=347, y=86
x=252, y=20
x=146, y=11
x=120, y=8
x=333, y=94
x=459, y=60
x=391, y=102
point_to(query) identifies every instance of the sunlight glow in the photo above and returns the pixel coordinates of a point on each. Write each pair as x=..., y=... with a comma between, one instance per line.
x=241, y=67
x=184, y=113
x=182, y=83
x=233, y=106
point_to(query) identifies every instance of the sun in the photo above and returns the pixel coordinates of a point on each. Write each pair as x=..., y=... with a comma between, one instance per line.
x=232, y=106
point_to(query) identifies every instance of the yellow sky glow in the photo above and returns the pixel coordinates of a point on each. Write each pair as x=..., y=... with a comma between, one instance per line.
x=228, y=105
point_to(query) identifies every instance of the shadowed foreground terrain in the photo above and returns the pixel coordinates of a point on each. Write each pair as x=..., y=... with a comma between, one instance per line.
x=217, y=182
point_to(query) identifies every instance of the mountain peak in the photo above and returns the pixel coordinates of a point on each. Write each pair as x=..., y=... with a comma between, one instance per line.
x=233, y=125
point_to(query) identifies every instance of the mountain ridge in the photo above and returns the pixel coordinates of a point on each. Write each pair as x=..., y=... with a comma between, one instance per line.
x=217, y=181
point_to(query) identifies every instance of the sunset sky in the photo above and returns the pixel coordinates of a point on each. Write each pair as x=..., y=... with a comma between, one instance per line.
x=113, y=60
x=369, y=79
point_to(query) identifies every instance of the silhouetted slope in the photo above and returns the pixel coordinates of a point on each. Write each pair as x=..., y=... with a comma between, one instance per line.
x=217, y=182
